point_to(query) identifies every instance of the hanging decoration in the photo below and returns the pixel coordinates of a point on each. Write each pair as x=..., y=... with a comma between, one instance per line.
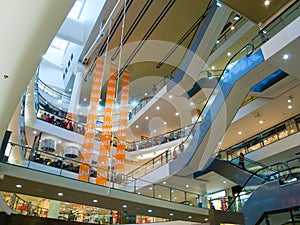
x=123, y=122
x=106, y=136
x=86, y=153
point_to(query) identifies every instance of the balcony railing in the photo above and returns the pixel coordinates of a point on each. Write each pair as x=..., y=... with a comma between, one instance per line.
x=58, y=165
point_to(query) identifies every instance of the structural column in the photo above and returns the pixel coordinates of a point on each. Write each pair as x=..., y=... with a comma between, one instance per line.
x=72, y=111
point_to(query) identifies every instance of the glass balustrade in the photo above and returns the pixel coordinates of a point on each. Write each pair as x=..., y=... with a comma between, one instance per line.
x=56, y=164
x=21, y=206
x=267, y=137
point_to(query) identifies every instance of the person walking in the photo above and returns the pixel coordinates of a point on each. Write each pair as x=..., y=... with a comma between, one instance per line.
x=242, y=161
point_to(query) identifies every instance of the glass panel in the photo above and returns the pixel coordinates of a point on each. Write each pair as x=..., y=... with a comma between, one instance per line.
x=162, y=192
x=280, y=218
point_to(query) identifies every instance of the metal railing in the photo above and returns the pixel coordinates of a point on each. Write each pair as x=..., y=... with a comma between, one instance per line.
x=58, y=165
x=290, y=14
x=21, y=206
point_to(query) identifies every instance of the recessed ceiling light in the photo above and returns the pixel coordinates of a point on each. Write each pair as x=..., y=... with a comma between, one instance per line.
x=171, y=214
x=70, y=89
x=240, y=132
x=170, y=96
x=218, y=41
x=261, y=122
x=157, y=108
x=192, y=103
x=285, y=56
x=213, y=67
x=95, y=200
x=218, y=4
x=267, y=2
x=224, y=182
x=34, y=132
x=146, y=117
x=165, y=123
x=60, y=108
x=289, y=100
x=228, y=53
x=139, y=193
x=159, y=196
x=136, y=126
x=59, y=101
x=206, y=219
x=149, y=210
x=232, y=28
x=187, y=186
x=59, y=142
x=177, y=113
x=164, y=182
x=190, y=217
x=146, y=94
x=236, y=17
x=150, y=188
x=154, y=131
x=60, y=194
x=124, y=206
x=18, y=186
x=84, y=99
x=290, y=106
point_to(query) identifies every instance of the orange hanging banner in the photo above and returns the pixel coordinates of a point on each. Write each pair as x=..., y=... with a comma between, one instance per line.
x=89, y=135
x=106, y=136
x=123, y=122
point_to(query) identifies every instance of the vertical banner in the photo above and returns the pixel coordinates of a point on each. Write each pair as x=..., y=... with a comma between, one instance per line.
x=86, y=153
x=123, y=122
x=104, y=153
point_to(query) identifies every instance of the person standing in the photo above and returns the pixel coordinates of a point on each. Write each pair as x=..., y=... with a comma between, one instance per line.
x=242, y=160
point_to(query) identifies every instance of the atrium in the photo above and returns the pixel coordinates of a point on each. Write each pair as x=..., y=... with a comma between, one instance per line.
x=136, y=111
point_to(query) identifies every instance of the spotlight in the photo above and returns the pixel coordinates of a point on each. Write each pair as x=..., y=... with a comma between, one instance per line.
x=236, y=17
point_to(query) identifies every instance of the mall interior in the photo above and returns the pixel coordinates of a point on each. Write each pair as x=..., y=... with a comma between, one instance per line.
x=150, y=111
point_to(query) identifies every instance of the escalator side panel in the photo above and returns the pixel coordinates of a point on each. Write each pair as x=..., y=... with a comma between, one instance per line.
x=228, y=84
x=271, y=197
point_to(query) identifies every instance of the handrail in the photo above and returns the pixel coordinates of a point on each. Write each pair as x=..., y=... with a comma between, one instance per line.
x=264, y=178
x=256, y=42
x=202, y=112
x=17, y=203
x=260, y=137
x=53, y=90
x=55, y=164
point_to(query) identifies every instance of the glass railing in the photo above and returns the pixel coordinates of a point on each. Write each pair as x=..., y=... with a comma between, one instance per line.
x=23, y=207
x=56, y=164
x=53, y=93
x=279, y=171
x=247, y=50
x=267, y=137
x=229, y=32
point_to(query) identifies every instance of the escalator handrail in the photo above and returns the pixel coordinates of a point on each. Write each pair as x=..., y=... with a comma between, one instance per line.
x=264, y=178
x=196, y=122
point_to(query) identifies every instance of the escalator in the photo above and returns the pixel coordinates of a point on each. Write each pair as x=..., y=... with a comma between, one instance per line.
x=231, y=171
x=233, y=86
x=278, y=190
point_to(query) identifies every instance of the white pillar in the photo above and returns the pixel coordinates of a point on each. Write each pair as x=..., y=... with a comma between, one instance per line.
x=54, y=207
x=72, y=111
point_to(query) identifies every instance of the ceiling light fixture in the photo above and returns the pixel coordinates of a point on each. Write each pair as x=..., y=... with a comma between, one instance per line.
x=165, y=123
x=240, y=132
x=261, y=122
x=190, y=217
x=213, y=67
x=228, y=53
x=95, y=200
x=267, y=2
x=146, y=117
x=290, y=106
x=232, y=27
x=60, y=194
x=149, y=210
x=285, y=56
x=124, y=206
x=157, y=108
x=236, y=17
x=136, y=126
x=218, y=4
x=18, y=186
x=176, y=114
x=171, y=214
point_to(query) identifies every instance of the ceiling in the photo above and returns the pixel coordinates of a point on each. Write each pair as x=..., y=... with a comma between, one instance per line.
x=170, y=29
